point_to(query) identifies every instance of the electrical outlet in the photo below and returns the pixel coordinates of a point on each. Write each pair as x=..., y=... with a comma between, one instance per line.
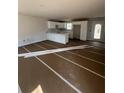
x=23, y=40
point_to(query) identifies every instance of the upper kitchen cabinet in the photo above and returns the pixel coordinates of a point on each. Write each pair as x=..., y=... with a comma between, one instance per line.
x=53, y=25
x=61, y=25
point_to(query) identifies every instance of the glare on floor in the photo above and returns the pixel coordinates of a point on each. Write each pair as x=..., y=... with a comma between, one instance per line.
x=38, y=89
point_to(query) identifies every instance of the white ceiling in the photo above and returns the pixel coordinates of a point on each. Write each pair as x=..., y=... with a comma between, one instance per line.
x=63, y=9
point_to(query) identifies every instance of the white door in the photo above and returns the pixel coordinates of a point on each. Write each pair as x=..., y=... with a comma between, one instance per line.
x=97, y=31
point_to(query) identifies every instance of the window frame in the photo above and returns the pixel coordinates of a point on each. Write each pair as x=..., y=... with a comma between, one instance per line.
x=71, y=26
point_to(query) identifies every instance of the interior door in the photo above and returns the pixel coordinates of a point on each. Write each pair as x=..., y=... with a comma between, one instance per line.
x=76, y=31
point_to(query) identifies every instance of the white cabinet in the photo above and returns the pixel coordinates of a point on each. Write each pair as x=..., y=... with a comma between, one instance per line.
x=52, y=25
x=58, y=37
x=61, y=25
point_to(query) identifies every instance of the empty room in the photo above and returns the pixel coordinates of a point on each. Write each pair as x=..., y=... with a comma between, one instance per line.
x=61, y=46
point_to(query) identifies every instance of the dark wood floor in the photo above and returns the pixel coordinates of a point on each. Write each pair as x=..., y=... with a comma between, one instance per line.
x=82, y=68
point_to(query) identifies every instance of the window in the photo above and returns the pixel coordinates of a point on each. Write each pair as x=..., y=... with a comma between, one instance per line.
x=97, y=31
x=69, y=26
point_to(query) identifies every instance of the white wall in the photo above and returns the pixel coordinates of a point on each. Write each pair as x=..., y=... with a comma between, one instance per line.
x=31, y=29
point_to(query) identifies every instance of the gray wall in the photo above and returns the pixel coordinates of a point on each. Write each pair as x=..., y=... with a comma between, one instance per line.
x=31, y=29
x=91, y=26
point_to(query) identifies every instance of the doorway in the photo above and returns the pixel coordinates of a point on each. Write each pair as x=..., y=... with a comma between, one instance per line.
x=76, y=31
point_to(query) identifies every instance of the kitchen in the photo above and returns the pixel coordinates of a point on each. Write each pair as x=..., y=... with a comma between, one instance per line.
x=61, y=32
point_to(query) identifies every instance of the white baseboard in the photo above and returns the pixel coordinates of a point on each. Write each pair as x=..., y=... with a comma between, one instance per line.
x=32, y=39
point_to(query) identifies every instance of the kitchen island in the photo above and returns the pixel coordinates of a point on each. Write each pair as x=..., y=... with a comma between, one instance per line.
x=58, y=36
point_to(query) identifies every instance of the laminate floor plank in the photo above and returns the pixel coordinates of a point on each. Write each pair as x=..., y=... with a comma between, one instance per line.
x=89, y=55
x=33, y=48
x=33, y=73
x=84, y=80
x=21, y=50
